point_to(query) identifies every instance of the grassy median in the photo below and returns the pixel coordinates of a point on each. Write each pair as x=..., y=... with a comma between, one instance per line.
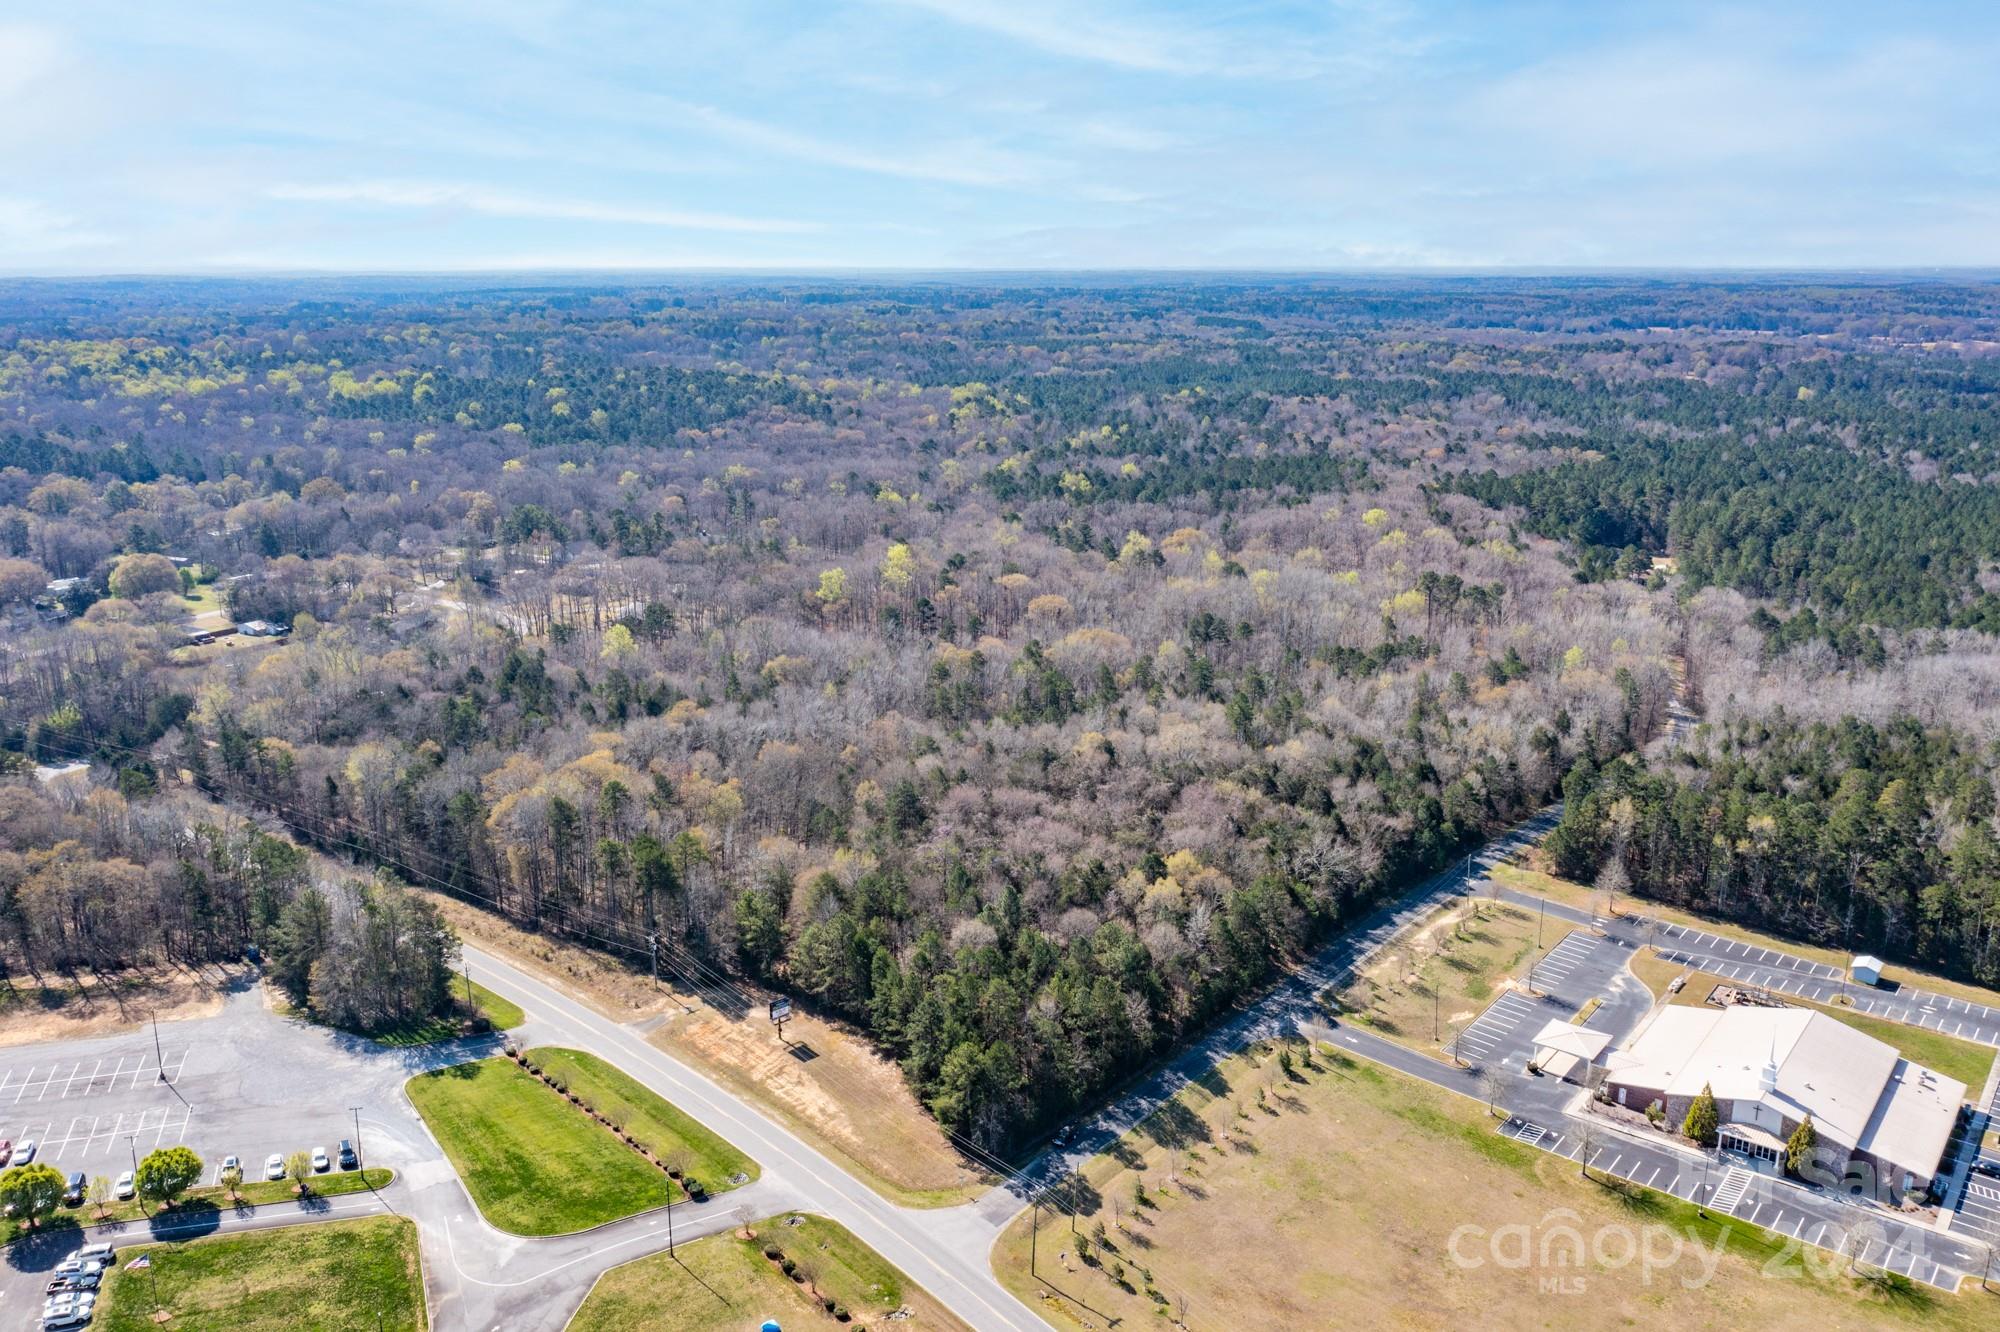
x=534, y=1163
x=662, y=1127
x=338, y=1276
x=726, y=1283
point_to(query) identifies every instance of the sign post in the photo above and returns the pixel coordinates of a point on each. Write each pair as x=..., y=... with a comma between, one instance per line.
x=781, y=1013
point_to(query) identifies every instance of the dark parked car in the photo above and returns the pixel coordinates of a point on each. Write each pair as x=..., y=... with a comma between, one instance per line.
x=78, y=1182
x=1987, y=1167
x=349, y=1159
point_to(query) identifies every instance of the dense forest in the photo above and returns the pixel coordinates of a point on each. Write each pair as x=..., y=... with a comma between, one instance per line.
x=1021, y=673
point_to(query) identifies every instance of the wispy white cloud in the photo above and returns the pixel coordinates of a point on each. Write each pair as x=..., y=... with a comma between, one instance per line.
x=30, y=227
x=964, y=164
x=1071, y=32
x=502, y=203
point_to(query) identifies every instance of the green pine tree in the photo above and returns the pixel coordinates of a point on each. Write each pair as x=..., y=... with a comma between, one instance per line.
x=1703, y=1118
x=1800, y=1147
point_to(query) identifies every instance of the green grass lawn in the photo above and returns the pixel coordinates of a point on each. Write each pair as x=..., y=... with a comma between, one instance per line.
x=654, y=1122
x=208, y=1198
x=723, y=1284
x=424, y=1031
x=534, y=1163
x=337, y=1276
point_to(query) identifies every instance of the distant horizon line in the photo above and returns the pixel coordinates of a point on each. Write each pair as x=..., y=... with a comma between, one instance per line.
x=866, y=271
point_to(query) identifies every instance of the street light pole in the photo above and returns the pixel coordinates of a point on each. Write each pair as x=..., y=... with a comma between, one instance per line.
x=360, y=1161
x=158, y=1057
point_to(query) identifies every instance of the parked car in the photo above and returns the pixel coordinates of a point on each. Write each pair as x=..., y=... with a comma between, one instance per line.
x=126, y=1186
x=74, y=1281
x=81, y=1301
x=78, y=1265
x=95, y=1253
x=73, y=1193
x=274, y=1166
x=321, y=1161
x=1987, y=1167
x=25, y=1152
x=232, y=1162
x=62, y=1322
x=349, y=1158
x=6, y=1150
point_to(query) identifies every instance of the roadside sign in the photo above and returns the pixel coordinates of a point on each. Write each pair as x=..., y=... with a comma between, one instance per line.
x=781, y=1010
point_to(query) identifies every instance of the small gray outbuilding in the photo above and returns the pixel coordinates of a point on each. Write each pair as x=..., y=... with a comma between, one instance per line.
x=1866, y=969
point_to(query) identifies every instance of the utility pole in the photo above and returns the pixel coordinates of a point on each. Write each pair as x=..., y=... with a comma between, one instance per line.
x=466, y=972
x=1437, y=998
x=653, y=947
x=1034, y=1230
x=670, y=1216
x=361, y=1162
x=158, y=1057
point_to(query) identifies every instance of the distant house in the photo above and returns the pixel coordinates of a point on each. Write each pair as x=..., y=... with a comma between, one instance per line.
x=262, y=629
x=1769, y=1068
x=1866, y=968
x=62, y=587
x=50, y=773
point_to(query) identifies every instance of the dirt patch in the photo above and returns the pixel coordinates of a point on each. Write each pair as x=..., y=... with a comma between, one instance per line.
x=66, y=1008
x=831, y=1085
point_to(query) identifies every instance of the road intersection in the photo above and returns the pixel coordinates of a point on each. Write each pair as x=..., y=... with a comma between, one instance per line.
x=252, y=1082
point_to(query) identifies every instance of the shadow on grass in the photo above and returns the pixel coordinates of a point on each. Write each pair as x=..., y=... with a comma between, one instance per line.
x=695, y=1277
x=1174, y=1125
x=1110, y=1320
x=1896, y=1289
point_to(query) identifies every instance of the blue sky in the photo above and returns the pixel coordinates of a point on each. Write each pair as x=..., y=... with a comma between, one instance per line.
x=454, y=134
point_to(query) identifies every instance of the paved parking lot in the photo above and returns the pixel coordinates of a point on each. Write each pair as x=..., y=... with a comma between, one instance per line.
x=107, y=1075
x=1862, y=1234
x=1772, y=969
x=1504, y=1031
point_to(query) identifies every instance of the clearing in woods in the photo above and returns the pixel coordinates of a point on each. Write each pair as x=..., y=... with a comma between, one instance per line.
x=1347, y=1187
x=826, y=1083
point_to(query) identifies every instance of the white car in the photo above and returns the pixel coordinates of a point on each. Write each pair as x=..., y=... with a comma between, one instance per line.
x=125, y=1188
x=274, y=1166
x=82, y=1301
x=25, y=1152
x=321, y=1162
x=95, y=1253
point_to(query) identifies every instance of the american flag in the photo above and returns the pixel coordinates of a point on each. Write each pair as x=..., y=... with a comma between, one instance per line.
x=143, y=1260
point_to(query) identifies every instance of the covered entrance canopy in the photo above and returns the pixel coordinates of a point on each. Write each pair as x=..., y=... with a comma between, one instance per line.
x=1564, y=1050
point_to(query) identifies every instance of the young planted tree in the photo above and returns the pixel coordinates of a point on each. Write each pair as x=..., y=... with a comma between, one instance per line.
x=231, y=1179
x=97, y=1193
x=299, y=1169
x=166, y=1173
x=1703, y=1119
